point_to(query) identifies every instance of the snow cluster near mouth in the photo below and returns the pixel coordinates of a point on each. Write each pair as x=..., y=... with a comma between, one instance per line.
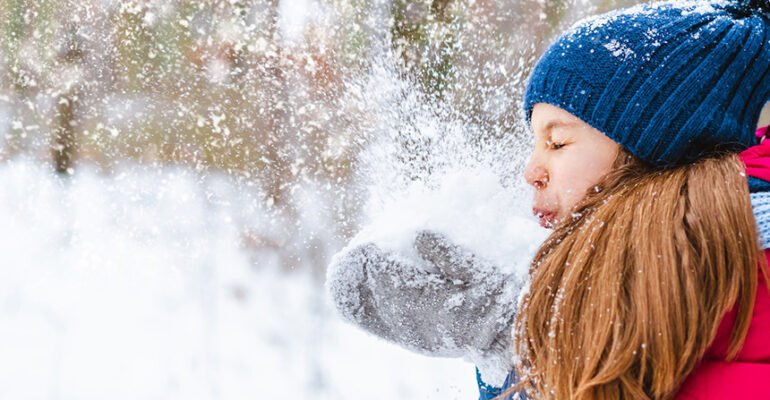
x=468, y=205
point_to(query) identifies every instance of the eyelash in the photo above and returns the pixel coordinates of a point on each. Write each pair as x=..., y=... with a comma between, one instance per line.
x=555, y=145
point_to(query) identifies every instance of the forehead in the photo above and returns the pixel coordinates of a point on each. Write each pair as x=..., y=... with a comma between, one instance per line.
x=546, y=117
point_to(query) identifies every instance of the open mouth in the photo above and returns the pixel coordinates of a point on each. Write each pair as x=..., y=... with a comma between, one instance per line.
x=547, y=218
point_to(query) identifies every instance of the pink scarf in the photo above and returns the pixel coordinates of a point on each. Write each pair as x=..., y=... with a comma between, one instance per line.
x=757, y=158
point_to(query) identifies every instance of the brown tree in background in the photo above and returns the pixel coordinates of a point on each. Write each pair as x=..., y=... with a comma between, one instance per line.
x=64, y=138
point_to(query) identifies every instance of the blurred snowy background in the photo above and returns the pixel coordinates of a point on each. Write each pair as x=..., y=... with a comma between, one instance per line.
x=175, y=176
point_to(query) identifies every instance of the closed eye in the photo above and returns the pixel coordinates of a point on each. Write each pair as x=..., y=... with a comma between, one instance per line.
x=555, y=145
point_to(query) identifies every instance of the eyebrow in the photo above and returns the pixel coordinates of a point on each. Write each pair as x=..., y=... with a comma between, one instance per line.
x=556, y=124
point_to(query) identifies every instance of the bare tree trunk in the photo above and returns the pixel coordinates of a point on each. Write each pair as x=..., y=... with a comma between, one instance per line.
x=64, y=143
x=276, y=173
x=63, y=149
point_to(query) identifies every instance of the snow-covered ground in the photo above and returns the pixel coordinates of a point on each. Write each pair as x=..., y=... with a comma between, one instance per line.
x=162, y=284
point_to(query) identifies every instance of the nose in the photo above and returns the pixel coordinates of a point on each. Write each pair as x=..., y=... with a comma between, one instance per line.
x=536, y=174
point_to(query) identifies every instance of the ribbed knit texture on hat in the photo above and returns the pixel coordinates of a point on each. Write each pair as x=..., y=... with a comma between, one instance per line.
x=671, y=82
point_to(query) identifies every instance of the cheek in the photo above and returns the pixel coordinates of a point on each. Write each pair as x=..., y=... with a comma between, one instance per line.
x=576, y=176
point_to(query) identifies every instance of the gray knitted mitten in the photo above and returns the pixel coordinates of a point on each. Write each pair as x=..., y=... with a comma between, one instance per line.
x=451, y=303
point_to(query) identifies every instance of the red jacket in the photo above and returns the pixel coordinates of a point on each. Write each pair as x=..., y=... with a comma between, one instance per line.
x=748, y=376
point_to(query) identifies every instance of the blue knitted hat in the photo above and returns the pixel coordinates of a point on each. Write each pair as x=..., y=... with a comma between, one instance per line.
x=671, y=82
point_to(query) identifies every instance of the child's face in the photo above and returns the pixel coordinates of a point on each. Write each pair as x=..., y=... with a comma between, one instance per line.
x=570, y=157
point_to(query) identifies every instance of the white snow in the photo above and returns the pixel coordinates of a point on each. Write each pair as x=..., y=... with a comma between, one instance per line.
x=470, y=206
x=619, y=50
x=596, y=22
x=421, y=169
x=143, y=284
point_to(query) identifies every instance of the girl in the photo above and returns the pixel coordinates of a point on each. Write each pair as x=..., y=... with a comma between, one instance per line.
x=653, y=283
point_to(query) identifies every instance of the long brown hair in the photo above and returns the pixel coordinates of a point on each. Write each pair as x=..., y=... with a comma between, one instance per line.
x=627, y=295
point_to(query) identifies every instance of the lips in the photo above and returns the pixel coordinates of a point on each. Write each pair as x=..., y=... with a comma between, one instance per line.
x=547, y=218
